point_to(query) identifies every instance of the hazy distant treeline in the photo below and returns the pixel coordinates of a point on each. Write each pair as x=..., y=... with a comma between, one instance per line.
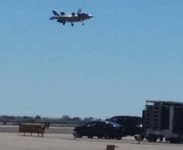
x=38, y=119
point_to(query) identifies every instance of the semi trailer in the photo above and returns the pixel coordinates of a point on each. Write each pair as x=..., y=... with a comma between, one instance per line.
x=163, y=120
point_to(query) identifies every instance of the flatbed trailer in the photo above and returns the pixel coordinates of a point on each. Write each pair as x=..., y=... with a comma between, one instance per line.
x=163, y=119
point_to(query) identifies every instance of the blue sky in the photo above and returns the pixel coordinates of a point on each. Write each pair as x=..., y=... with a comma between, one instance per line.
x=129, y=52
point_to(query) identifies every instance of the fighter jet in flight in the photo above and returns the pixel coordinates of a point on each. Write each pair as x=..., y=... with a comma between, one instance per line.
x=63, y=18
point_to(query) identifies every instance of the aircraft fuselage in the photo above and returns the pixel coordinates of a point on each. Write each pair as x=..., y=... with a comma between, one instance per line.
x=68, y=18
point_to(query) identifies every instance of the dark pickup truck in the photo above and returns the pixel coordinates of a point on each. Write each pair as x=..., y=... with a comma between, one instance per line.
x=132, y=124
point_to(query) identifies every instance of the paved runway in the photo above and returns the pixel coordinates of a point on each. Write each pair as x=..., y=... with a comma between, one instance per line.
x=17, y=141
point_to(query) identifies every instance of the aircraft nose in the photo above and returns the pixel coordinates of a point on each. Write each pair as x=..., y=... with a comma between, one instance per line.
x=90, y=16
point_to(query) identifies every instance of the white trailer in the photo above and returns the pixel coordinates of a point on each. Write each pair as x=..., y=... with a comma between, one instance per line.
x=163, y=119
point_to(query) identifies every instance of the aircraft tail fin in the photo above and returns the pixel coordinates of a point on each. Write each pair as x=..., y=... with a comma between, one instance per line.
x=79, y=11
x=55, y=13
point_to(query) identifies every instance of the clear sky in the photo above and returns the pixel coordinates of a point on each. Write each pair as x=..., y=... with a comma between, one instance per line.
x=129, y=52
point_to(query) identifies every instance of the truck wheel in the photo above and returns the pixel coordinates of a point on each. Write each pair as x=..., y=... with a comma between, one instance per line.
x=161, y=139
x=119, y=138
x=106, y=136
x=149, y=139
x=78, y=135
x=154, y=139
x=90, y=136
x=100, y=137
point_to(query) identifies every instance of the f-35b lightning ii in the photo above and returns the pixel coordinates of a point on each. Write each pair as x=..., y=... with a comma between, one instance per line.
x=63, y=18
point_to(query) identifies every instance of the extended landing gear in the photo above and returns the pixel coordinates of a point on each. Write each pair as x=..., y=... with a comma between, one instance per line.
x=72, y=24
x=83, y=23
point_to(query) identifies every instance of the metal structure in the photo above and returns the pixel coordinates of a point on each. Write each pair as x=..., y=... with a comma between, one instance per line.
x=163, y=119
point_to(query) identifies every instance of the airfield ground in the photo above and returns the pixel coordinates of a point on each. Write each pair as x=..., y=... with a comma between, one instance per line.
x=60, y=138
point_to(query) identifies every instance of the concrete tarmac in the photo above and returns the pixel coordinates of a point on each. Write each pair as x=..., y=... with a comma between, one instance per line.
x=17, y=141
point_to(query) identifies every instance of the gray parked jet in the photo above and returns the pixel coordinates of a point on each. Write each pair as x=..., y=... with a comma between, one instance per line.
x=63, y=18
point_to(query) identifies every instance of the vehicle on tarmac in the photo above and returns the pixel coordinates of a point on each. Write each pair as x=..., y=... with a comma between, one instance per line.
x=132, y=124
x=100, y=129
x=163, y=120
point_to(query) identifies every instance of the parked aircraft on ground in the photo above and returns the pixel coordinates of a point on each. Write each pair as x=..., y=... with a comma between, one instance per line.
x=63, y=18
